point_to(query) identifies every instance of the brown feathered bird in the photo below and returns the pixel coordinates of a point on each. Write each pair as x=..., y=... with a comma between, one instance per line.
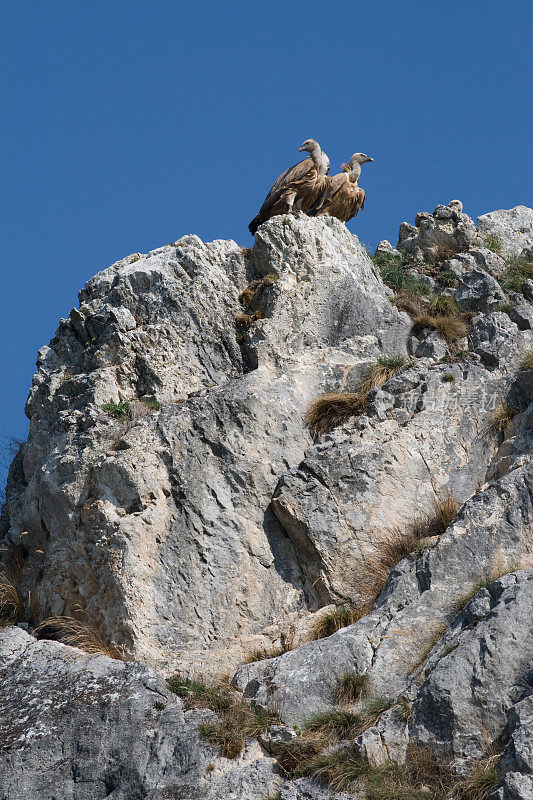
x=298, y=188
x=343, y=198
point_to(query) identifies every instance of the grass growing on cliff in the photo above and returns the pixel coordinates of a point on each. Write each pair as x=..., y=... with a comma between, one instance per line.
x=10, y=603
x=70, y=631
x=238, y=721
x=343, y=724
x=339, y=617
x=120, y=411
x=247, y=297
x=335, y=408
x=422, y=777
x=394, y=271
x=526, y=360
x=450, y=327
x=518, y=270
x=352, y=686
x=502, y=416
x=492, y=242
x=398, y=542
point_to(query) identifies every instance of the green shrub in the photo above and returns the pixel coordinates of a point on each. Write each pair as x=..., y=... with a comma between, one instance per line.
x=120, y=411
x=492, y=242
x=519, y=269
x=339, y=617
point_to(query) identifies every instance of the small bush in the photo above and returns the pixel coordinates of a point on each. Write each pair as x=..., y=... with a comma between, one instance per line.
x=238, y=722
x=492, y=242
x=332, y=621
x=409, y=303
x=394, y=270
x=526, y=360
x=120, y=411
x=159, y=706
x=448, y=378
x=519, y=269
x=352, y=686
x=333, y=409
x=74, y=633
x=503, y=307
x=502, y=416
x=451, y=328
x=153, y=404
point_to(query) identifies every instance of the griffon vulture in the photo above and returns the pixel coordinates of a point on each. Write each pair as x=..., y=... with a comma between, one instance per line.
x=343, y=198
x=298, y=188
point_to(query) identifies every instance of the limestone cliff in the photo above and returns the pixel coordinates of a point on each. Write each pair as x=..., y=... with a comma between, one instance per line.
x=173, y=496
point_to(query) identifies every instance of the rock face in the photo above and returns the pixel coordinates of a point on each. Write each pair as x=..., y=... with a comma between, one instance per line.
x=513, y=228
x=171, y=490
x=159, y=526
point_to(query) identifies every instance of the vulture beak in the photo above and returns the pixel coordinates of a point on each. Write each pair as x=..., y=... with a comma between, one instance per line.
x=300, y=149
x=370, y=159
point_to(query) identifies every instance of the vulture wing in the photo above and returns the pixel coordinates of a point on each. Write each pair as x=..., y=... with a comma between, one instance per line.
x=295, y=173
x=326, y=202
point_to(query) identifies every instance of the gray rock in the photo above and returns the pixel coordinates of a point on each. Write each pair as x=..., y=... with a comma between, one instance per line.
x=523, y=316
x=437, y=236
x=90, y=727
x=513, y=227
x=386, y=247
x=469, y=690
x=492, y=532
x=158, y=525
x=478, y=291
x=527, y=290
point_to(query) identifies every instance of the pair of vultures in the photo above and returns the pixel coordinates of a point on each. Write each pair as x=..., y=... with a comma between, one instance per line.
x=307, y=187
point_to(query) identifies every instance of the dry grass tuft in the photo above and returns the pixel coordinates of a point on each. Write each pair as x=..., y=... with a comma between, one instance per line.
x=412, y=304
x=483, y=777
x=254, y=288
x=10, y=602
x=333, y=409
x=502, y=416
x=450, y=327
x=422, y=777
x=263, y=653
x=340, y=617
x=380, y=372
x=336, y=408
x=526, y=361
x=74, y=633
x=398, y=543
x=352, y=686
x=238, y=722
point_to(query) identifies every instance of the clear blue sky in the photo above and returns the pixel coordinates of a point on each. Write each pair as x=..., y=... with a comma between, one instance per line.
x=128, y=124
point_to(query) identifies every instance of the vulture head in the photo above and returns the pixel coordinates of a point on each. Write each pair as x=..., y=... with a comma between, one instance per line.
x=309, y=145
x=359, y=158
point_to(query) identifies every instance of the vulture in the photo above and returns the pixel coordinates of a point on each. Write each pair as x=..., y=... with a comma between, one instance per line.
x=343, y=197
x=298, y=188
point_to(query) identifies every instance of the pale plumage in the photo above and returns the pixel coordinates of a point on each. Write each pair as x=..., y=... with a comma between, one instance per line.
x=298, y=188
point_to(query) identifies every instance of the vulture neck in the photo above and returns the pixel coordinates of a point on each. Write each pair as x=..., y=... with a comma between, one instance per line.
x=355, y=173
x=316, y=155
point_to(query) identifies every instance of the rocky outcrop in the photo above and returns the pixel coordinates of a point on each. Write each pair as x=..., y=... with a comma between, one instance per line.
x=159, y=526
x=171, y=490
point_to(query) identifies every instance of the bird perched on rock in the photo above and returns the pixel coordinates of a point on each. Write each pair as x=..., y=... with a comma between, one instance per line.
x=343, y=197
x=298, y=188
x=456, y=205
